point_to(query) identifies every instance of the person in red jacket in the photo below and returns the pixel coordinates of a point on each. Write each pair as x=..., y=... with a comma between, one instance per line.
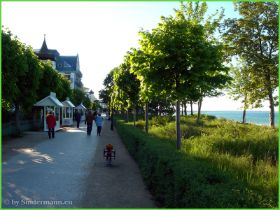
x=51, y=122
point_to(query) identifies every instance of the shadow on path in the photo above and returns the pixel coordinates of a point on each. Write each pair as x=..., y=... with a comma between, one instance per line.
x=116, y=186
x=69, y=171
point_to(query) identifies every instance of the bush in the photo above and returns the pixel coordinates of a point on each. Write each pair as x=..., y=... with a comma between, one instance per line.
x=185, y=178
x=161, y=120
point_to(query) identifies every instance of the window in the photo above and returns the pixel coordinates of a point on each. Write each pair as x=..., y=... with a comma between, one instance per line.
x=68, y=112
x=67, y=76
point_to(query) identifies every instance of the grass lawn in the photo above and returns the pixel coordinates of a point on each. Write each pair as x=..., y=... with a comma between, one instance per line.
x=221, y=163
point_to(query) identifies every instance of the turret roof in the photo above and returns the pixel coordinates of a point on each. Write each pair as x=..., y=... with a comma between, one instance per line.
x=45, y=53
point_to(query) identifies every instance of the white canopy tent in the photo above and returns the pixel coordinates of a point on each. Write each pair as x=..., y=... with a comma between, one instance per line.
x=67, y=112
x=50, y=103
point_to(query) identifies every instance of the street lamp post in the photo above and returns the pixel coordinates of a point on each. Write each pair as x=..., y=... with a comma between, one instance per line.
x=112, y=123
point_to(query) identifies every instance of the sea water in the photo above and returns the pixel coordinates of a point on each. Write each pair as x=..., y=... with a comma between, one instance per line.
x=255, y=117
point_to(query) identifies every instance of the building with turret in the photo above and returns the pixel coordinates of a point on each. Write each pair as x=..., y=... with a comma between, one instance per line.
x=68, y=66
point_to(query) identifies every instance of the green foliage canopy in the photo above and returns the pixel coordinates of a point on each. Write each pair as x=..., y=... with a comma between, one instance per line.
x=254, y=39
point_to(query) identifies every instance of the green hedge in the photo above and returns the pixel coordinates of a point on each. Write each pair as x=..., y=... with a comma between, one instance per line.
x=179, y=180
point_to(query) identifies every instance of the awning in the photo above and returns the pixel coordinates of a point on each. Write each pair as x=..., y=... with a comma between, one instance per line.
x=68, y=103
x=50, y=100
x=81, y=106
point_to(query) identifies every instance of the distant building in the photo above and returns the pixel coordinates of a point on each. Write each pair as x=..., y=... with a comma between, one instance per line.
x=90, y=94
x=68, y=66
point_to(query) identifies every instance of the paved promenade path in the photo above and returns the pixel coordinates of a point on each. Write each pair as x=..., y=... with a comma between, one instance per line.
x=69, y=171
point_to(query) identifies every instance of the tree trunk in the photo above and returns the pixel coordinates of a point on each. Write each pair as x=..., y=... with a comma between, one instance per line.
x=182, y=108
x=191, y=108
x=271, y=106
x=35, y=125
x=134, y=116
x=198, y=111
x=244, y=110
x=178, y=131
x=17, y=113
x=127, y=117
x=146, y=118
x=271, y=100
x=109, y=109
x=244, y=116
x=185, y=108
x=123, y=114
x=112, y=120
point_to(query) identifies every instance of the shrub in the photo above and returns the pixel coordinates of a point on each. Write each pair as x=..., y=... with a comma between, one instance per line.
x=198, y=176
x=161, y=120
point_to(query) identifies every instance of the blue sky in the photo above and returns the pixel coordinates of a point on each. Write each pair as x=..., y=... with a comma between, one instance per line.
x=100, y=32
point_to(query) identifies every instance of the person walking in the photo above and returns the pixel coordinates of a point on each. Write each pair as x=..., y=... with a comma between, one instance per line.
x=51, y=122
x=89, y=120
x=99, y=122
x=78, y=118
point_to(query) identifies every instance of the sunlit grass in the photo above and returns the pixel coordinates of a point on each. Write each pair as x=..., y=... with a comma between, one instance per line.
x=248, y=153
x=244, y=151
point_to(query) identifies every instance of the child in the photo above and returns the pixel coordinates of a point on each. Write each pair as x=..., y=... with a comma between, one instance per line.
x=109, y=149
x=98, y=122
x=109, y=153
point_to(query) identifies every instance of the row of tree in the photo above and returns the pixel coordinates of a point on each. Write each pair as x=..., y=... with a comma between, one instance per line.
x=252, y=41
x=26, y=79
x=182, y=60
